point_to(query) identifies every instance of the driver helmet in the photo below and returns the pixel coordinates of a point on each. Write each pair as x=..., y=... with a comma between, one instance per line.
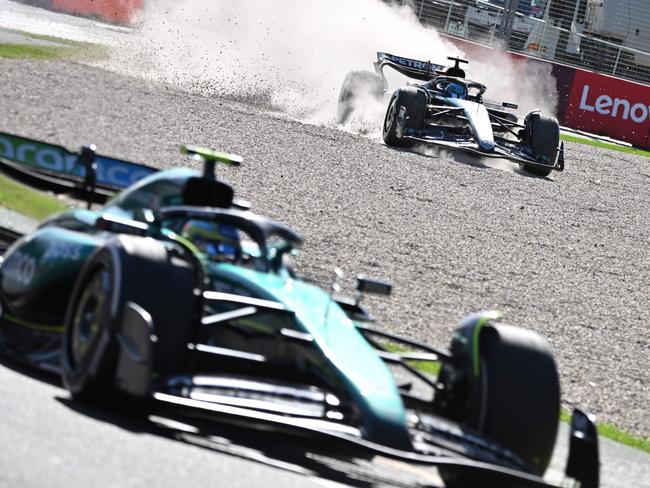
x=214, y=239
x=455, y=90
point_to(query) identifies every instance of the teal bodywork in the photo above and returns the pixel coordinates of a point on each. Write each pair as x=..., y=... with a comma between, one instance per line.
x=69, y=238
x=39, y=273
x=364, y=374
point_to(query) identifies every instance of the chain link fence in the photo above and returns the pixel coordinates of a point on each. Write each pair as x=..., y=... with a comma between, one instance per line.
x=607, y=36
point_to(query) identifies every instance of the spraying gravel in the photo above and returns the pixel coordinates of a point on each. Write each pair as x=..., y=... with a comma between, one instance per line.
x=566, y=256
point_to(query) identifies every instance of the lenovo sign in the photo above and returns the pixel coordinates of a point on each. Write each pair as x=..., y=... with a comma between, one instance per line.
x=606, y=105
x=617, y=107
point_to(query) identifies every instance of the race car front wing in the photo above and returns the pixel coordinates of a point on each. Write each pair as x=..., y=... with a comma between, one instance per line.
x=503, y=148
x=582, y=465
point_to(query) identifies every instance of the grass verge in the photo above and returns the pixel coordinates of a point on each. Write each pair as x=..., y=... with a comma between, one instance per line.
x=27, y=201
x=605, y=145
x=34, y=51
x=54, y=48
x=57, y=40
x=428, y=367
x=613, y=433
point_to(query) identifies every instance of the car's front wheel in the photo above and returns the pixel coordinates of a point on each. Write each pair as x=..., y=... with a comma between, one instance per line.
x=127, y=270
x=543, y=138
x=89, y=349
x=405, y=112
x=510, y=392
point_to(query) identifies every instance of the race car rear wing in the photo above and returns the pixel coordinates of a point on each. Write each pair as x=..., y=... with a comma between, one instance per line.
x=413, y=68
x=82, y=174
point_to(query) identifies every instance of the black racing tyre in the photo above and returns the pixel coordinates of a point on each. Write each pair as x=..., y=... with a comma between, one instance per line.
x=514, y=400
x=127, y=269
x=518, y=393
x=543, y=137
x=414, y=102
x=89, y=349
x=356, y=86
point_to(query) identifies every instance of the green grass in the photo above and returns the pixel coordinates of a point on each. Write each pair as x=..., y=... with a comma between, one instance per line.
x=615, y=434
x=606, y=145
x=27, y=201
x=57, y=40
x=65, y=49
x=612, y=432
x=428, y=367
x=33, y=51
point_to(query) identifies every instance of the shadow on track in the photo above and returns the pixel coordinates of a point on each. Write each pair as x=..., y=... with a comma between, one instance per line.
x=291, y=453
x=28, y=370
x=475, y=161
x=294, y=454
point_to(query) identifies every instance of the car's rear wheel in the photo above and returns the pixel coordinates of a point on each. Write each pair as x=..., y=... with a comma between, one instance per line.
x=357, y=87
x=409, y=105
x=127, y=270
x=543, y=137
x=511, y=394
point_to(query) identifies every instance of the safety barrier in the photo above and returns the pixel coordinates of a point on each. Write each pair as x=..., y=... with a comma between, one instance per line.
x=117, y=11
x=586, y=41
x=121, y=11
x=610, y=106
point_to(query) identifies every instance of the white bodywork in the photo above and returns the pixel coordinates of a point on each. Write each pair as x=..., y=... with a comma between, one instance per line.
x=479, y=121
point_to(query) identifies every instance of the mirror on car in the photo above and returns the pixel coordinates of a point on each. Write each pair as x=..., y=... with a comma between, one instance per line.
x=376, y=287
x=121, y=225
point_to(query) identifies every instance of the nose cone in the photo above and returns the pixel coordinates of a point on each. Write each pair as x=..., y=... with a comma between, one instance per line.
x=486, y=144
x=479, y=120
x=481, y=125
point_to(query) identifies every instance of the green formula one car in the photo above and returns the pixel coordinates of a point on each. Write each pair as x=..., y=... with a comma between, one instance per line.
x=174, y=294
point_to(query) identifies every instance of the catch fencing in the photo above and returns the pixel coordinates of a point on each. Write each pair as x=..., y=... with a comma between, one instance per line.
x=606, y=36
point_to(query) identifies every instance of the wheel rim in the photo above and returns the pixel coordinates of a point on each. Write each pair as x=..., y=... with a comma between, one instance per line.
x=86, y=324
x=390, y=116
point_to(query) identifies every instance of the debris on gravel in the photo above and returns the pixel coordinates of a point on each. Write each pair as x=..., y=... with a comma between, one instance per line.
x=566, y=256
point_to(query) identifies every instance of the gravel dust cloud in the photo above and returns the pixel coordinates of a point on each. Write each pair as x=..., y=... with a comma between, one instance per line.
x=292, y=55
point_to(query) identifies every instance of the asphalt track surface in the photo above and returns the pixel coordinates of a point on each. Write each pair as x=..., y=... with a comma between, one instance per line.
x=55, y=442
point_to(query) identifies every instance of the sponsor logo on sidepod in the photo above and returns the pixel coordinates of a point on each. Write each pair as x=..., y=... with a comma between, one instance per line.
x=614, y=107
